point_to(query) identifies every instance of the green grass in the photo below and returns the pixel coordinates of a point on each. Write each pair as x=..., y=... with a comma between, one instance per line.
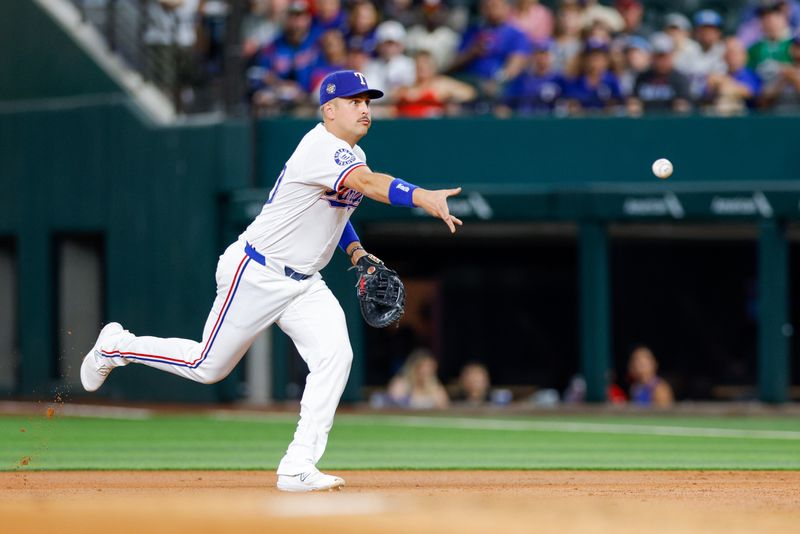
x=405, y=442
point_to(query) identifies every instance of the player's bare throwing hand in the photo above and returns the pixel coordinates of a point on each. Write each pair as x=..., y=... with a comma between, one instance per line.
x=271, y=275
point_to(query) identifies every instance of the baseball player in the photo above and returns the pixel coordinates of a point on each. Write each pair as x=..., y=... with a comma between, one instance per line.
x=271, y=275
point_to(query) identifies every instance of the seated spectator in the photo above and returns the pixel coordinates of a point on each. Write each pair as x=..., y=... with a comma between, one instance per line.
x=260, y=25
x=332, y=57
x=637, y=57
x=750, y=30
x=568, y=42
x=494, y=51
x=533, y=19
x=538, y=89
x=709, y=59
x=647, y=388
x=329, y=15
x=632, y=12
x=783, y=94
x=661, y=88
x=416, y=386
x=595, y=87
x=473, y=385
x=361, y=26
x=433, y=94
x=737, y=88
x=433, y=35
x=685, y=49
x=281, y=75
x=391, y=68
x=768, y=56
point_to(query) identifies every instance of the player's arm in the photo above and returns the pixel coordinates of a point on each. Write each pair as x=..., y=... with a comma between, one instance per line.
x=351, y=244
x=390, y=190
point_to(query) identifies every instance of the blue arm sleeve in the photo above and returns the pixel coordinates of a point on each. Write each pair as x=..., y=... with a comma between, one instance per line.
x=349, y=236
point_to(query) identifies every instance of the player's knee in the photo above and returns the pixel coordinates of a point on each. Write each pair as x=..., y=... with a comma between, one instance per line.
x=339, y=356
x=343, y=356
x=210, y=375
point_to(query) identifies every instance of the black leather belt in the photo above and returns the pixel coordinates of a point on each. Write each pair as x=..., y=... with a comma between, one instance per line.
x=259, y=258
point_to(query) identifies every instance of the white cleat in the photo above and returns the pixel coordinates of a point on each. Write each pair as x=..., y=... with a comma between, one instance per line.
x=309, y=481
x=95, y=367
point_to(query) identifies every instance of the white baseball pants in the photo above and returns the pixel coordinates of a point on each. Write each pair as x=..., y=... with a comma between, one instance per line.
x=250, y=297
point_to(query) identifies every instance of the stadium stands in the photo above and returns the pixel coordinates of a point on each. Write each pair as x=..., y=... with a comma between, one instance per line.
x=242, y=56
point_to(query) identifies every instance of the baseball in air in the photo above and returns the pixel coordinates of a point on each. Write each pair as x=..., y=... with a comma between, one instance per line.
x=662, y=168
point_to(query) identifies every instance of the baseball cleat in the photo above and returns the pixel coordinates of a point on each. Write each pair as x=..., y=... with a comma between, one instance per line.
x=95, y=367
x=309, y=481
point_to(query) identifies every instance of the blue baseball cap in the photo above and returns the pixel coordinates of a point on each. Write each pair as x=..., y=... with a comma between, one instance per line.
x=344, y=83
x=708, y=17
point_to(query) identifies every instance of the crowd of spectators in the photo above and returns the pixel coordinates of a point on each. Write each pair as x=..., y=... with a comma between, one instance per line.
x=416, y=386
x=524, y=57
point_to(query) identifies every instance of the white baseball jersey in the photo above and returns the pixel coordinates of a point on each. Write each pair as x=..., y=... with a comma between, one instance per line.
x=302, y=221
x=299, y=227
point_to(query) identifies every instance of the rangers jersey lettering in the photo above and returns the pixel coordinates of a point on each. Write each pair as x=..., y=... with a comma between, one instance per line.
x=307, y=209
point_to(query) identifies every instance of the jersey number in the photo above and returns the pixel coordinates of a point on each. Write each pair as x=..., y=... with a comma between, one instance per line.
x=277, y=185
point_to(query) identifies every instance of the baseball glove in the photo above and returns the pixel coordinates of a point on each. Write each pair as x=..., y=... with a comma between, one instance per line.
x=380, y=292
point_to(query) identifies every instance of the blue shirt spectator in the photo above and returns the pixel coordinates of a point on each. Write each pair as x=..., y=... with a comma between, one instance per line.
x=590, y=95
x=280, y=74
x=736, y=89
x=530, y=93
x=749, y=79
x=538, y=88
x=596, y=87
x=497, y=44
x=288, y=61
x=493, y=50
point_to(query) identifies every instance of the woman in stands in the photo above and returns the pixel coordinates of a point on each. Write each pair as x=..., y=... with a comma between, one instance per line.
x=433, y=94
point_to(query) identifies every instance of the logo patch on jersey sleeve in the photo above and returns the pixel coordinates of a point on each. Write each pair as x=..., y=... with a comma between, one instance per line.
x=344, y=157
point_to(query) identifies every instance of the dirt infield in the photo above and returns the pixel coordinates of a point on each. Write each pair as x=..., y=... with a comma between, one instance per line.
x=402, y=501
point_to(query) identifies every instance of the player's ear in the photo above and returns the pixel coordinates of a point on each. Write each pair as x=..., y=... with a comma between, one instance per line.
x=328, y=110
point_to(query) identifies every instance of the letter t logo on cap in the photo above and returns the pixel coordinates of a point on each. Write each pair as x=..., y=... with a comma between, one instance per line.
x=361, y=78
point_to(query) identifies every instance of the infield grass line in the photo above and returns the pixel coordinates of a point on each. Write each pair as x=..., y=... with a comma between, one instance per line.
x=463, y=423
x=580, y=427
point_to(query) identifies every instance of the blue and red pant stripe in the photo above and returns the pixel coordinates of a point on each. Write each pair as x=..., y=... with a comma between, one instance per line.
x=226, y=306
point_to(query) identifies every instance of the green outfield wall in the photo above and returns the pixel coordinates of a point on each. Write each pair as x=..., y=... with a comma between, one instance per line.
x=165, y=201
x=548, y=154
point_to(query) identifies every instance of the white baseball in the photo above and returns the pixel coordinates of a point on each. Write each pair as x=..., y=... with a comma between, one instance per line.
x=662, y=168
